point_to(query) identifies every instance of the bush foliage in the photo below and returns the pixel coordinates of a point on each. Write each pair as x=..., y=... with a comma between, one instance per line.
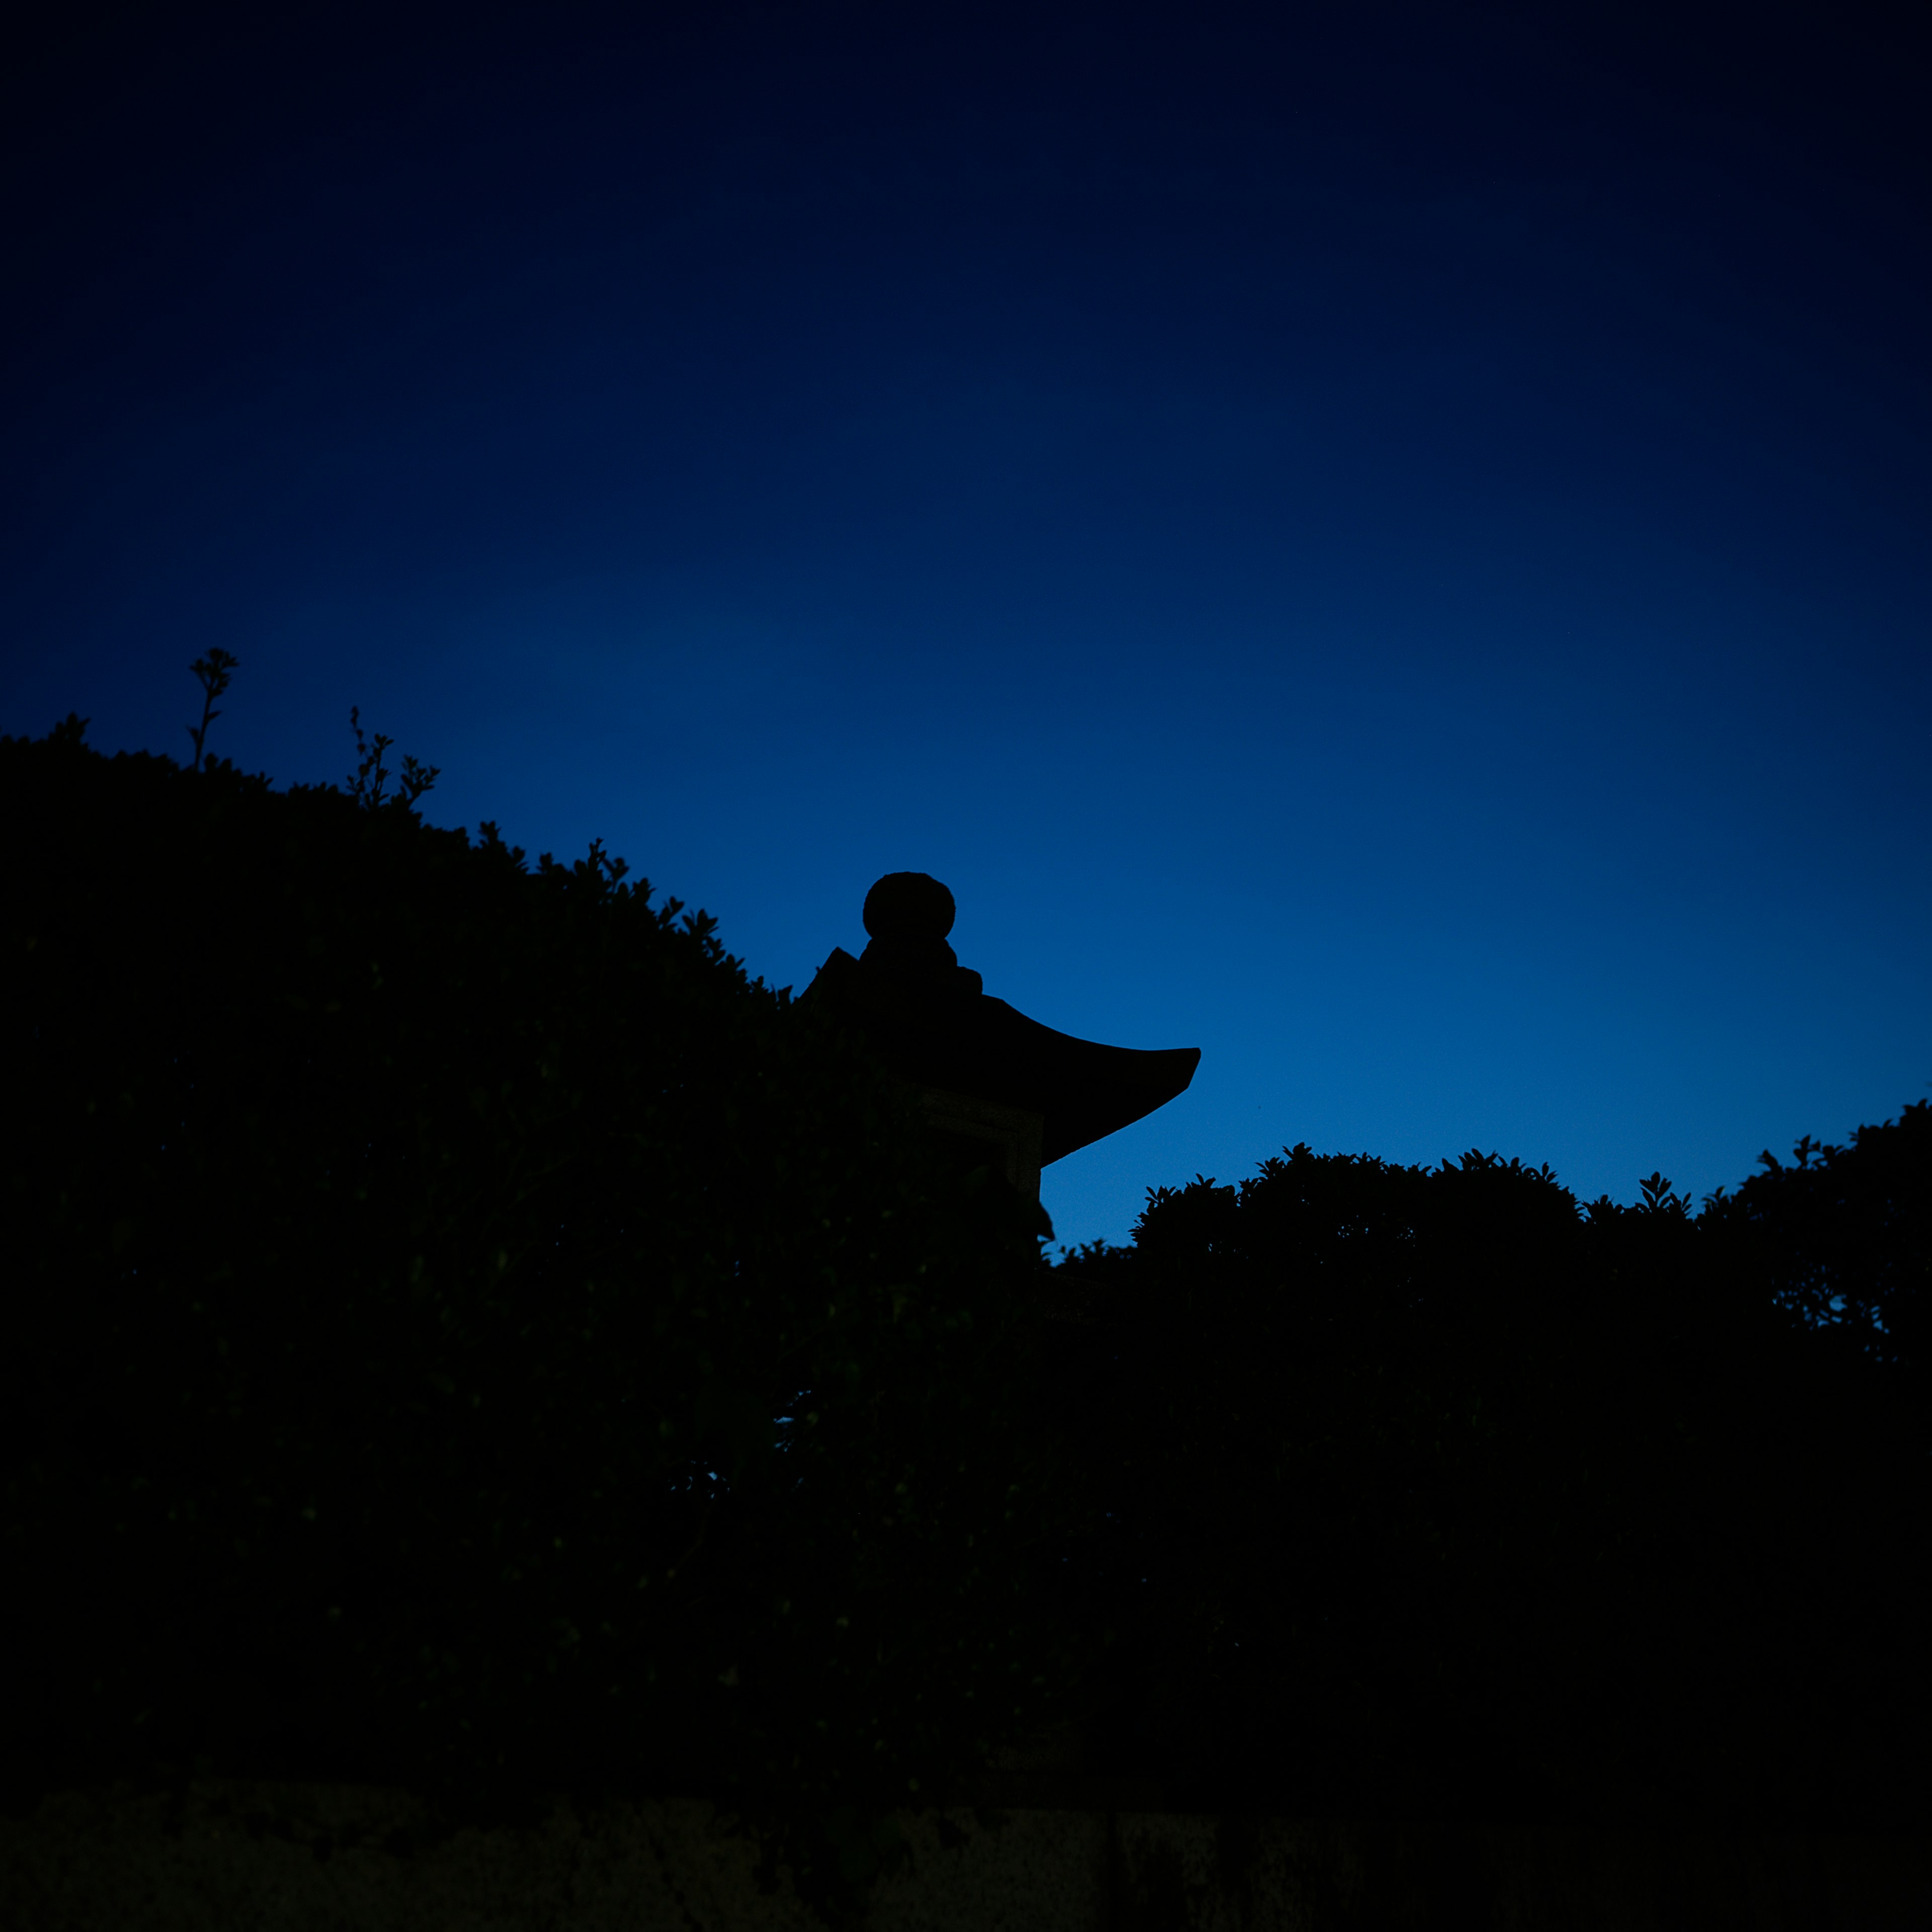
x=465, y=1332
x=1427, y=1490
x=461, y=1325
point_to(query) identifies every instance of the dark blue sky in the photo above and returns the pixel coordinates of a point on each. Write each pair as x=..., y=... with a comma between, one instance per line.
x=1391, y=547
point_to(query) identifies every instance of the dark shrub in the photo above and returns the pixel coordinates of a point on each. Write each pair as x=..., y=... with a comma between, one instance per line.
x=458, y=1325
x=1842, y=1238
x=1423, y=1491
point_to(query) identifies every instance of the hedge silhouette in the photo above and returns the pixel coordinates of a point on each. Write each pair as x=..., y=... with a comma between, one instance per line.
x=1425, y=1491
x=462, y=1328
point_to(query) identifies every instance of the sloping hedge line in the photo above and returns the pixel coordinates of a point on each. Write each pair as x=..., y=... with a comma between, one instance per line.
x=460, y=1326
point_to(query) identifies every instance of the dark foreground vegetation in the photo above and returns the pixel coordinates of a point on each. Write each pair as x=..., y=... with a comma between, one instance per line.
x=463, y=1331
x=1426, y=1494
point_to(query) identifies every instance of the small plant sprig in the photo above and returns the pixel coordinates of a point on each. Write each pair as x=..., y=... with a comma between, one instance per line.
x=215, y=671
x=367, y=782
x=1659, y=1198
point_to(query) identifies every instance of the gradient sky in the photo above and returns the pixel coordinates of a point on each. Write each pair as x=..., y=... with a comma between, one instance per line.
x=1390, y=545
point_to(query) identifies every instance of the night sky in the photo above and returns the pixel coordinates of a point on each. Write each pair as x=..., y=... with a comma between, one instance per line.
x=1389, y=545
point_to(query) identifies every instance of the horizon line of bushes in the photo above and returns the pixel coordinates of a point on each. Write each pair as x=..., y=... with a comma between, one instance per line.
x=469, y=1332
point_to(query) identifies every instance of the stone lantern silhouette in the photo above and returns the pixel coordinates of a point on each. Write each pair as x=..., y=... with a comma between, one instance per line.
x=986, y=1076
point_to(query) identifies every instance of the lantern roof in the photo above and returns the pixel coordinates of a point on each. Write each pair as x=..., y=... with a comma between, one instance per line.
x=932, y=1022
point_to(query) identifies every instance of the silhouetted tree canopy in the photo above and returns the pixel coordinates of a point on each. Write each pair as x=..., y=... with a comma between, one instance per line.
x=458, y=1323
x=1424, y=1490
x=1841, y=1236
